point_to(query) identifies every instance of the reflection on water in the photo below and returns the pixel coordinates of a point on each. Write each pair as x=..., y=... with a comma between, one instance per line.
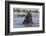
x=17, y=21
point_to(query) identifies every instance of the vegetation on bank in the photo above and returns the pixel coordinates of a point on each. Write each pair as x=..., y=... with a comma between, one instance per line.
x=25, y=10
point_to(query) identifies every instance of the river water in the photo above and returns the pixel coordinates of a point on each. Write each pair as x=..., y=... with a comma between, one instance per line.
x=17, y=21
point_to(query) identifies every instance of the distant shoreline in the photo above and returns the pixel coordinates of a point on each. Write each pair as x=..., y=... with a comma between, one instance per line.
x=25, y=13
